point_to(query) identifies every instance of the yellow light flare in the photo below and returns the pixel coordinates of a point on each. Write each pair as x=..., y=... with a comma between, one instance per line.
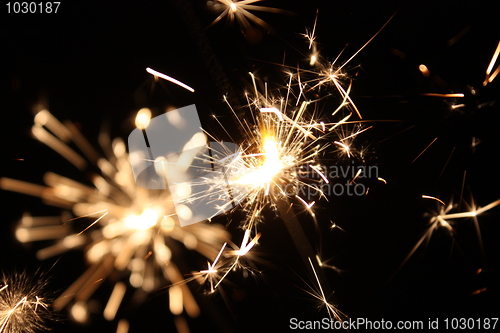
x=143, y=118
x=146, y=220
x=271, y=166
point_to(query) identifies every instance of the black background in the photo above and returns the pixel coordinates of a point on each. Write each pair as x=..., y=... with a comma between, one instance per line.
x=87, y=64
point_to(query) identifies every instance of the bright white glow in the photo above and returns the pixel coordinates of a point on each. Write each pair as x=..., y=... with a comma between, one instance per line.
x=146, y=220
x=269, y=169
x=142, y=118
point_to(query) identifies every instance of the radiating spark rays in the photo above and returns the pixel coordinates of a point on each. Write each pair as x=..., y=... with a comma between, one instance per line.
x=329, y=72
x=345, y=147
x=318, y=293
x=226, y=262
x=211, y=272
x=441, y=220
x=280, y=135
x=274, y=148
x=129, y=237
x=239, y=11
x=472, y=213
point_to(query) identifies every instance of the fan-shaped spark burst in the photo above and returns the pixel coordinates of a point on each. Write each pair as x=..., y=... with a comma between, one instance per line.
x=239, y=11
x=130, y=227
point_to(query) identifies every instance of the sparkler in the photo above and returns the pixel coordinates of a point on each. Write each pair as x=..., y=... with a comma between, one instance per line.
x=130, y=227
x=283, y=138
x=285, y=132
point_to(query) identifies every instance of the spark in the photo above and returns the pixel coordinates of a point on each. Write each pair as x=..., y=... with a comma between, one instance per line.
x=318, y=171
x=273, y=110
x=225, y=267
x=441, y=220
x=424, y=70
x=318, y=293
x=212, y=268
x=308, y=205
x=245, y=246
x=311, y=36
x=356, y=176
x=235, y=10
x=491, y=76
x=472, y=213
x=433, y=198
x=457, y=106
x=344, y=147
x=457, y=95
x=169, y=78
x=22, y=307
x=328, y=73
x=323, y=264
x=423, y=151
